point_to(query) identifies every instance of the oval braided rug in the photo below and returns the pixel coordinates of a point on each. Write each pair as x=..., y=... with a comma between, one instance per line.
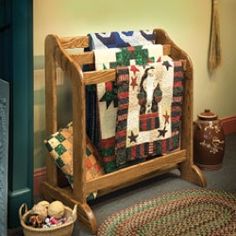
x=187, y=212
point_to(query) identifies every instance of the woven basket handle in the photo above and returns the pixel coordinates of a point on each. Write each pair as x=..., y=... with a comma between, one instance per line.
x=23, y=208
x=74, y=213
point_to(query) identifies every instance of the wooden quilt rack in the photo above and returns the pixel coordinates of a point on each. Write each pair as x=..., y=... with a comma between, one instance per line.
x=57, y=55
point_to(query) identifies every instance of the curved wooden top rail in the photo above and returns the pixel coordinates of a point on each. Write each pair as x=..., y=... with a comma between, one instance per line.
x=61, y=56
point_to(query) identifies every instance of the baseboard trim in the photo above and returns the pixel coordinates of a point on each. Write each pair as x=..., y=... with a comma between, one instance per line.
x=229, y=124
x=39, y=176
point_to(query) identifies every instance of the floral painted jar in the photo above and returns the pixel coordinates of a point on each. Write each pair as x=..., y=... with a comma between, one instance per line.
x=209, y=141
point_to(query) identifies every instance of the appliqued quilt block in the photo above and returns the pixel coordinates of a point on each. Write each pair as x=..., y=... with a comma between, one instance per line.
x=149, y=109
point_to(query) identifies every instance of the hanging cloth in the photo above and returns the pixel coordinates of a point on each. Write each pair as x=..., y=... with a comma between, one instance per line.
x=149, y=109
x=106, y=58
x=214, y=57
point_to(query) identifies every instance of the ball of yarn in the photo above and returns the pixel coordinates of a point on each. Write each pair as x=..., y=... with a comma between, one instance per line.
x=43, y=203
x=56, y=209
x=40, y=210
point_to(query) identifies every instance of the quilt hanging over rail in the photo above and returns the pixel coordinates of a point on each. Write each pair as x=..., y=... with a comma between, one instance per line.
x=149, y=109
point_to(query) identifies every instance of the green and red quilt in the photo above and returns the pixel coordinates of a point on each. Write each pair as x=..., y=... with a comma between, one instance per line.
x=149, y=110
x=107, y=92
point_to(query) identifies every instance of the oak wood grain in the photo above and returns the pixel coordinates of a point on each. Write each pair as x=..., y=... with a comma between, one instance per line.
x=130, y=173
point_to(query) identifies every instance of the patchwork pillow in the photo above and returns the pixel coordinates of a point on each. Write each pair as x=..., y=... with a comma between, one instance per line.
x=60, y=145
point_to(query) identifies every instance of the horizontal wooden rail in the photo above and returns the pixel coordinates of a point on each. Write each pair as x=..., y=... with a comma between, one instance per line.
x=130, y=173
x=137, y=180
x=89, y=58
x=102, y=76
x=83, y=58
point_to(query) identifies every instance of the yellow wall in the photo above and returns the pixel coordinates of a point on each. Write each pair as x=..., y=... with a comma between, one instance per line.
x=186, y=21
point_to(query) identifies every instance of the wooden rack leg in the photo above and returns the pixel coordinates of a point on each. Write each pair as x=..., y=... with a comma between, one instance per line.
x=192, y=173
x=86, y=216
x=84, y=212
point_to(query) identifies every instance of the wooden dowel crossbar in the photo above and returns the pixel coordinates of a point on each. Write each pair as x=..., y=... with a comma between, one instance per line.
x=102, y=76
x=137, y=180
x=84, y=58
x=83, y=42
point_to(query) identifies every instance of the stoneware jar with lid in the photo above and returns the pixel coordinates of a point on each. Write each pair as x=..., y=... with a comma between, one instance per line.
x=209, y=141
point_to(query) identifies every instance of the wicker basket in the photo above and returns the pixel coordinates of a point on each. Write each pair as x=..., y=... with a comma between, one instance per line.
x=62, y=230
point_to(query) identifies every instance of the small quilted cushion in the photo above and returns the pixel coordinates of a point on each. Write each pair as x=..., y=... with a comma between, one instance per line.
x=60, y=145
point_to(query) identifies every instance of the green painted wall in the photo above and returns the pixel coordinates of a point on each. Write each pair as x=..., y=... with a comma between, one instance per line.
x=186, y=21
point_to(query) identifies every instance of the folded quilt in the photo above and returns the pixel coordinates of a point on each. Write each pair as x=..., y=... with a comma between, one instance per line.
x=121, y=39
x=149, y=109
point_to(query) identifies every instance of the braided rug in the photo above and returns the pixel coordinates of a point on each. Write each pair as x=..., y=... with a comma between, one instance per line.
x=187, y=212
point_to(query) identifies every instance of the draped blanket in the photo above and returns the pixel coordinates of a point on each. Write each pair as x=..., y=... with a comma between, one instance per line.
x=149, y=109
x=107, y=92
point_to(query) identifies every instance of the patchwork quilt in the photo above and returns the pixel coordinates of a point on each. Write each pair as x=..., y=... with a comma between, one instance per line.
x=139, y=115
x=121, y=39
x=107, y=92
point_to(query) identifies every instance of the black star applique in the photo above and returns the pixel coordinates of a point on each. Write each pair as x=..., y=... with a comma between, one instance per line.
x=132, y=137
x=166, y=64
x=162, y=132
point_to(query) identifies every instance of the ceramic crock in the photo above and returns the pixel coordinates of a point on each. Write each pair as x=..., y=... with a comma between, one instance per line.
x=209, y=141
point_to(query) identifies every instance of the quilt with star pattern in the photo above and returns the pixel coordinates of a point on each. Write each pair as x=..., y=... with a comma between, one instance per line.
x=107, y=93
x=149, y=110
